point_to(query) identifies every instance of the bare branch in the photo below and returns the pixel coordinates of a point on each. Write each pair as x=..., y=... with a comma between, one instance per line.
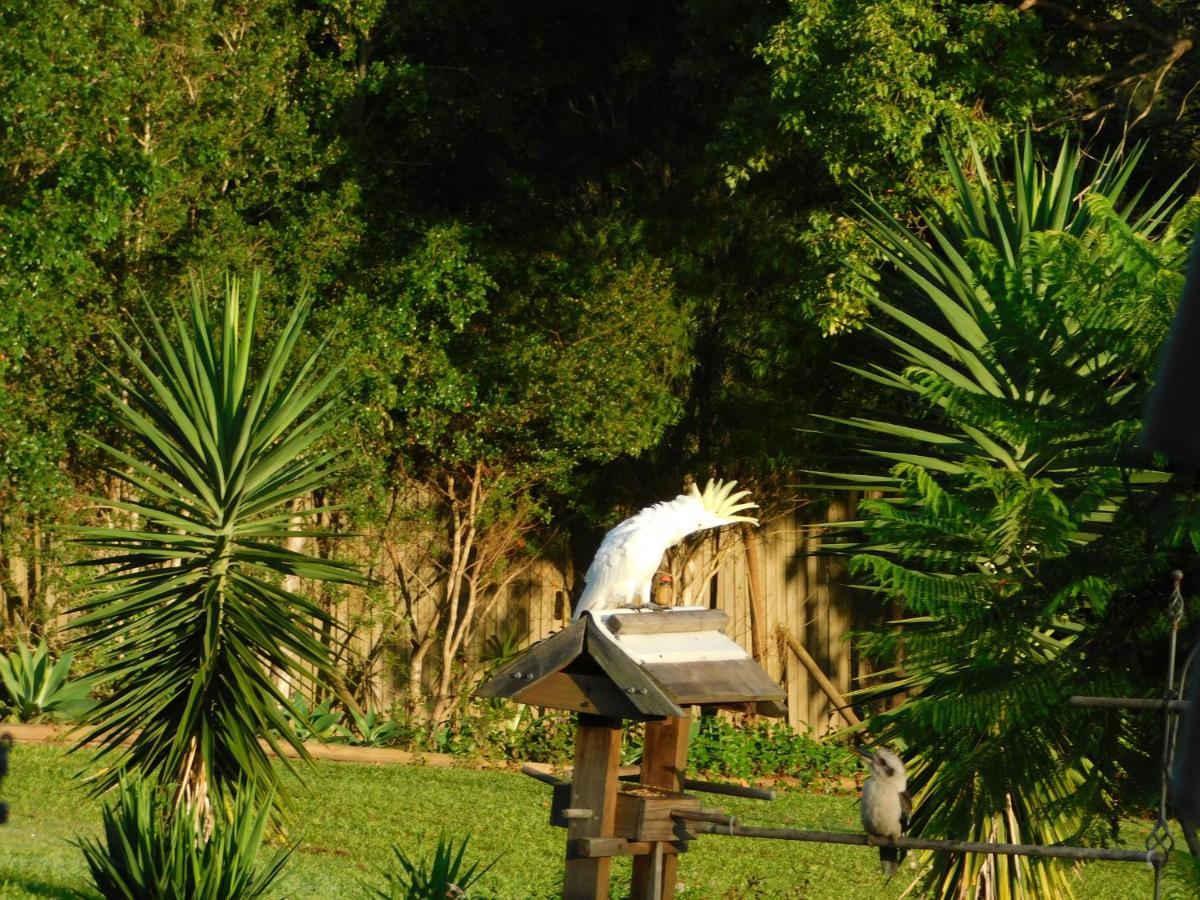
x=1089, y=24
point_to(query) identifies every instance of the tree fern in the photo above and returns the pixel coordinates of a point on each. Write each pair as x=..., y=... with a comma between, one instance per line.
x=1025, y=315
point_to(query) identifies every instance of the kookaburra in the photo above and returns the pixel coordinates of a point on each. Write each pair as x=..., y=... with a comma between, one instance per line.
x=886, y=805
x=623, y=570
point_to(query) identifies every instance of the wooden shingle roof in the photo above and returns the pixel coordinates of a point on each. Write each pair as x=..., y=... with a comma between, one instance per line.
x=639, y=665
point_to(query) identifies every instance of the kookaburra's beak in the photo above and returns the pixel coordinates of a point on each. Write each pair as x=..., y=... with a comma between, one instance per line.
x=869, y=757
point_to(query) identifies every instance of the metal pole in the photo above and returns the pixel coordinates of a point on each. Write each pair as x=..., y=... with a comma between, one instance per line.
x=1160, y=839
x=1152, y=857
x=1130, y=703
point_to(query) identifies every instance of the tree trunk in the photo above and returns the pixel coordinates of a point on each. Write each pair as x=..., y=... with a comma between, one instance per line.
x=416, y=678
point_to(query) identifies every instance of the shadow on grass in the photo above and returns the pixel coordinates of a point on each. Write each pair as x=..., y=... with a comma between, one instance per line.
x=40, y=888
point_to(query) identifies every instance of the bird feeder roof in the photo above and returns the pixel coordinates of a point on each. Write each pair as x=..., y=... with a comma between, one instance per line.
x=639, y=665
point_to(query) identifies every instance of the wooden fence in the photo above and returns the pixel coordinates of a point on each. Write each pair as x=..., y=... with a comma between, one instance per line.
x=804, y=594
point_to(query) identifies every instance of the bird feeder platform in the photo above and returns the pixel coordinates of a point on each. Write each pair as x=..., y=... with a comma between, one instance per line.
x=639, y=666
x=645, y=666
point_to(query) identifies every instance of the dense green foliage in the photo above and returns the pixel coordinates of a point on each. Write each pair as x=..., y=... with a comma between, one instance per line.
x=766, y=750
x=1025, y=317
x=450, y=166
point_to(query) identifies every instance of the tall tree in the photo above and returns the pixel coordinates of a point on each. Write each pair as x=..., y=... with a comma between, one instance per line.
x=140, y=139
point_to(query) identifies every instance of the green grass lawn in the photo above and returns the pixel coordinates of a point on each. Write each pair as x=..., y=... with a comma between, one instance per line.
x=351, y=815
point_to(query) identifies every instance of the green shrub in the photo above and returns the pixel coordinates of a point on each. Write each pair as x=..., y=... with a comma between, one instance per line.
x=148, y=853
x=441, y=876
x=34, y=686
x=722, y=746
x=506, y=730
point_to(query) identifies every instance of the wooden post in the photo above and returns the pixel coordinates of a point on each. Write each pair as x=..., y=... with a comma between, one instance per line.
x=664, y=759
x=594, y=787
x=758, y=602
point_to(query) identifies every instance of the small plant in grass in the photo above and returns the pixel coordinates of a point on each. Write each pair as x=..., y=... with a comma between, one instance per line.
x=149, y=854
x=443, y=874
x=33, y=685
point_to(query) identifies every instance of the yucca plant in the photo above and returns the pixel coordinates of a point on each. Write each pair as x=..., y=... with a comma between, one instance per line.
x=147, y=853
x=33, y=685
x=442, y=875
x=189, y=613
x=1025, y=317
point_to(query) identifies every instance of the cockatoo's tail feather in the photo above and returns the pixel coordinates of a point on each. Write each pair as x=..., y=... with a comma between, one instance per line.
x=718, y=498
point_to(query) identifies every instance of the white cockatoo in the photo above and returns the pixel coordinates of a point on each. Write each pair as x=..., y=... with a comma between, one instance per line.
x=886, y=804
x=624, y=567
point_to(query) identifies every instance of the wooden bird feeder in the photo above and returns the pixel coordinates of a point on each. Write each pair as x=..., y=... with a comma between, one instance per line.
x=636, y=666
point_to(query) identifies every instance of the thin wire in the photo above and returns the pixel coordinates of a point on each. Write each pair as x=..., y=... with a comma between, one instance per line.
x=1160, y=835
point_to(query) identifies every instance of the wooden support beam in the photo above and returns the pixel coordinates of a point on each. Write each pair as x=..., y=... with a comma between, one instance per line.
x=585, y=848
x=541, y=775
x=839, y=702
x=664, y=758
x=912, y=843
x=633, y=773
x=728, y=790
x=713, y=816
x=597, y=753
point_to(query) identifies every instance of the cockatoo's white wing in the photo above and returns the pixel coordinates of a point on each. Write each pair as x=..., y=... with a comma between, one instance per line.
x=629, y=555
x=622, y=569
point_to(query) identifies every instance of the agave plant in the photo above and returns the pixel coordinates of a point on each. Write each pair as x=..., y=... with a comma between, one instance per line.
x=443, y=874
x=372, y=729
x=149, y=854
x=1024, y=319
x=190, y=613
x=315, y=723
x=34, y=685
